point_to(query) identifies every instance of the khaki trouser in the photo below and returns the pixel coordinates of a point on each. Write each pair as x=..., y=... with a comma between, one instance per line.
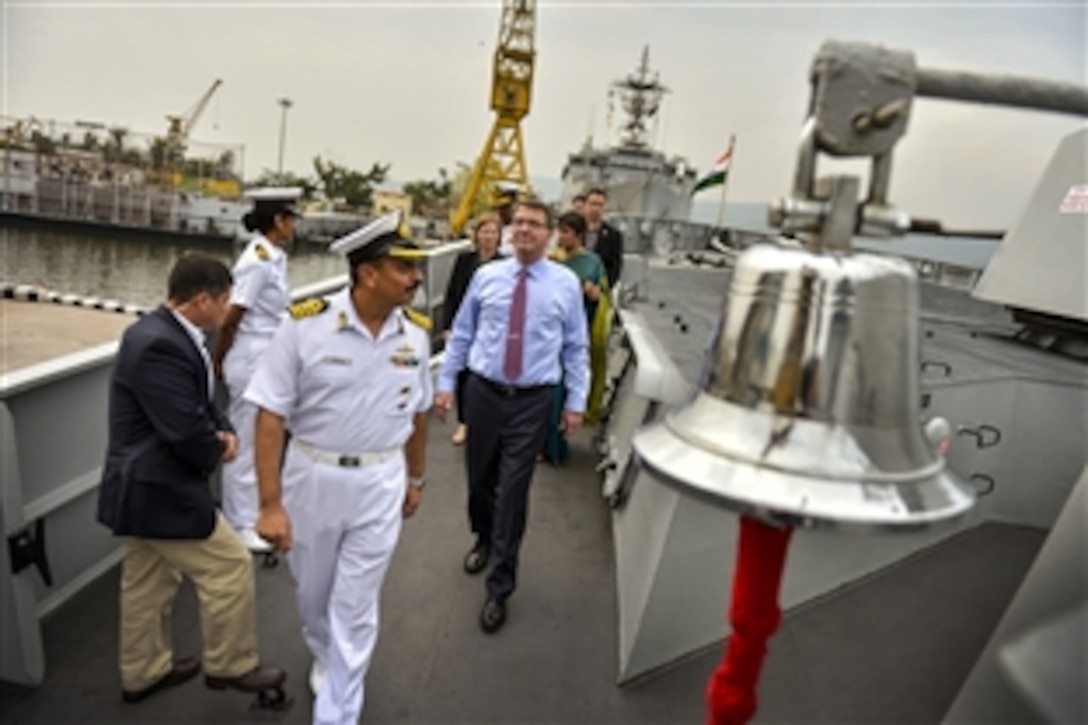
x=221, y=568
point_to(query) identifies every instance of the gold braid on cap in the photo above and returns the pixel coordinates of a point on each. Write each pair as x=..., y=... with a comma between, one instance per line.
x=405, y=252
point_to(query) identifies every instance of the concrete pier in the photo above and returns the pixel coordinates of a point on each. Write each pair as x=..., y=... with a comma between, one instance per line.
x=34, y=332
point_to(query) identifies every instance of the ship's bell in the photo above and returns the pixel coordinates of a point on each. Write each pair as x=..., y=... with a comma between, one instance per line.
x=807, y=412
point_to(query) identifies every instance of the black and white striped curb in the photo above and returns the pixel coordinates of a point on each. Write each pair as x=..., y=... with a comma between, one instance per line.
x=33, y=293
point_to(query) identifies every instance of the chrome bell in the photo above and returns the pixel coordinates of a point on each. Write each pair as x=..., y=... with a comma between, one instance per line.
x=808, y=412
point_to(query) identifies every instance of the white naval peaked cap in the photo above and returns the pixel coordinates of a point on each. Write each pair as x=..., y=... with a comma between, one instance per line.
x=508, y=188
x=386, y=236
x=274, y=193
x=275, y=199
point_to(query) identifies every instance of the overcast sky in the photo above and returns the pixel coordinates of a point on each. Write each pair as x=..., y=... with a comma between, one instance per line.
x=407, y=83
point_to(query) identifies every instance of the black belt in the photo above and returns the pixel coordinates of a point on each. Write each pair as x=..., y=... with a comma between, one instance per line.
x=507, y=390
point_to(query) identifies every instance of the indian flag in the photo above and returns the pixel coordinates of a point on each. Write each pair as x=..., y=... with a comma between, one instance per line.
x=717, y=173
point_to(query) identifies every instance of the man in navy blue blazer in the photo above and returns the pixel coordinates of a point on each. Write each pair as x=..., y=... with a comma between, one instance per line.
x=166, y=437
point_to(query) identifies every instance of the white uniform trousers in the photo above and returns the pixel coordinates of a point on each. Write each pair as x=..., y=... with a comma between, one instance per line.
x=241, y=500
x=345, y=523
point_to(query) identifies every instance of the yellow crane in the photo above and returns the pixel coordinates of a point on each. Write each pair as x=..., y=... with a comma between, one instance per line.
x=503, y=155
x=177, y=132
x=176, y=142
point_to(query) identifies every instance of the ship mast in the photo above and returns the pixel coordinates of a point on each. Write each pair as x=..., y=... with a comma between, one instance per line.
x=640, y=95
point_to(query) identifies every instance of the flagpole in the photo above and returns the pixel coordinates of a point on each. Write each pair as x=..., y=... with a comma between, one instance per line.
x=725, y=182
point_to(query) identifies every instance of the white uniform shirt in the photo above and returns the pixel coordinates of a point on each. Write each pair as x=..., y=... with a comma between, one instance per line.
x=339, y=388
x=506, y=241
x=260, y=286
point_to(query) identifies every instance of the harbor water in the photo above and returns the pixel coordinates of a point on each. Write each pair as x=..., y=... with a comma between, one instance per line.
x=127, y=267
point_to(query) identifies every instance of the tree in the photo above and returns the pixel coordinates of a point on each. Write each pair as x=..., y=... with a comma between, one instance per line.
x=114, y=148
x=157, y=153
x=133, y=157
x=355, y=188
x=117, y=135
x=42, y=143
x=224, y=165
x=431, y=198
x=482, y=203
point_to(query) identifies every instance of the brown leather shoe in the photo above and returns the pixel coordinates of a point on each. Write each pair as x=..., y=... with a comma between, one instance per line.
x=256, y=680
x=183, y=670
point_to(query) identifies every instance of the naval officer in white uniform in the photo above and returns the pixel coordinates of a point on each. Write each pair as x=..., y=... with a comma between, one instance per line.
x=348, y=376
x=258, y=304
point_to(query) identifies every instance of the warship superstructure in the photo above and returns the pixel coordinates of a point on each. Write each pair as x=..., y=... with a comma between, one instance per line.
x=649, y=191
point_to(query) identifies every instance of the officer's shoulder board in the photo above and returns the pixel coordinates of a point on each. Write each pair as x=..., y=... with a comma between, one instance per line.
x=261, y=252
x=308, y=308
x=418, y=318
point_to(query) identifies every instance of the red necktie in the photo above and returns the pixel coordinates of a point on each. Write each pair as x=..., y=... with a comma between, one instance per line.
x=515, y=345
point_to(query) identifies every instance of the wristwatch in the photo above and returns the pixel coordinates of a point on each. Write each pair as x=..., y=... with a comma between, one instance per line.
x=417, y=482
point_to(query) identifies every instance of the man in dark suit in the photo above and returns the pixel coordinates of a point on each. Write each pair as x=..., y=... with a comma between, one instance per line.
x=602, y=237
x=521, y=330
x=165, y=439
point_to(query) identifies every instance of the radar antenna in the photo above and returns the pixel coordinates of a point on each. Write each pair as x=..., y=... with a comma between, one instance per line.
x=640, y=95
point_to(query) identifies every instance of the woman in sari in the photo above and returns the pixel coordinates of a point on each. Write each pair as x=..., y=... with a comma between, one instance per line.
x=590, y=270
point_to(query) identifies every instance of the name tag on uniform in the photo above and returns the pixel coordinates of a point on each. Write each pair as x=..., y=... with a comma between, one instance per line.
x=336, y=360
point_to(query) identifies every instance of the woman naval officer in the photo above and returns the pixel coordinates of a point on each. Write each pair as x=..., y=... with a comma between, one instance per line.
x=258, y=303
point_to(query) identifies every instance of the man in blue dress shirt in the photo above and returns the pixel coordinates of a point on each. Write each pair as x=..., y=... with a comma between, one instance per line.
x=520, y=331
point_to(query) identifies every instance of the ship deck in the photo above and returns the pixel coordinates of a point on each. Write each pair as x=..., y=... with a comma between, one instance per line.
x=894, y=647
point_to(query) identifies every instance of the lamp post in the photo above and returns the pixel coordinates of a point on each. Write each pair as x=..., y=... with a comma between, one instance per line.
x=285, y=103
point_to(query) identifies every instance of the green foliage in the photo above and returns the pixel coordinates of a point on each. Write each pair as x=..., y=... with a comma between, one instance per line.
x=431, y=198
x=42, y=143
x=355, y=188
x=483, y=202
x=339, y=184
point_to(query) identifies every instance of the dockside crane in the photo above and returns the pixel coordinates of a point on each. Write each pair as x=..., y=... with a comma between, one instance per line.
x=503, y=155
x=177, y=132
x=175, y=145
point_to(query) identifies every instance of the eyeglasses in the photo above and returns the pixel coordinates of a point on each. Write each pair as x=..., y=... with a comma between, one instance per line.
x=535, y=224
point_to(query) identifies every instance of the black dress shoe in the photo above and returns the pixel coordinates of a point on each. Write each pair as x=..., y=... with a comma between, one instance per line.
x=182, y=671
x=493, y=615
x=476, y=558
x=256, y=680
